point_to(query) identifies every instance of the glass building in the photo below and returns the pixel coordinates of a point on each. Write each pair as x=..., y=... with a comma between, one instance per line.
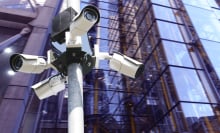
x=177, y=40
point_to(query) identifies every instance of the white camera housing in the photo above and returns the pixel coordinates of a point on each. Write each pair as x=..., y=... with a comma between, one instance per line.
x=49, y=87
x=83, y=22
x=126, y=65
x=119, y=62
x=28, y=63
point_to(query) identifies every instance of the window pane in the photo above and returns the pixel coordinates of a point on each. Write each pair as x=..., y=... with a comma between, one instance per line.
x=169, y=31
x=206, y=4
x=217, y=13
x=213, y=50
x=213, y=3
x=197, y=110
x=177, y=54
x=205, y=23
x=161, y=2
x=188, y=85
x=164, y=13
x=198, y=3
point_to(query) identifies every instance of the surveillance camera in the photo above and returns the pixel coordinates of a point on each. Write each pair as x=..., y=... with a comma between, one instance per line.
x=126, y=65
x=50, y=86
x=61, y=23
x=120, y=63
x=82, y=23
x=28, y=63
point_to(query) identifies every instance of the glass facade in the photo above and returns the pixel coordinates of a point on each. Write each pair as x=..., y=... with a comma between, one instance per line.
x=176, y=78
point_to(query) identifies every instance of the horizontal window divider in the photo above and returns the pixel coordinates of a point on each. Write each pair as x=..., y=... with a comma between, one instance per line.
x=185, y=67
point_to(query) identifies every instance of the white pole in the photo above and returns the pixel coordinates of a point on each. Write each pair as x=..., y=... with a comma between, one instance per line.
x=75, y=99
x=75, y=4
x=75, y=89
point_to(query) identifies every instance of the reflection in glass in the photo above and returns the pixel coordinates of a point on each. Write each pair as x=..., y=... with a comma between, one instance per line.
x=213, y=50
x=198, y=3
x=197, y=110
x=217, y=13
x=188, y=85
x=206, y=4
x=169, y=31
x=161, y=2
x=164, y=13
x=205, y=23
x=177, y=54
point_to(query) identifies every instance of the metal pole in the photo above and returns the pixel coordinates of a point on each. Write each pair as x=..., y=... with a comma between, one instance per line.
x=75, y=89
x=75, y=99
x=14, y=38
x=75, y=4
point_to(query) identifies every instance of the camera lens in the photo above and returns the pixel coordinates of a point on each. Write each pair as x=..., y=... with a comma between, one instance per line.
x=139, y=71
x=17, y=63
x=90, y=15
